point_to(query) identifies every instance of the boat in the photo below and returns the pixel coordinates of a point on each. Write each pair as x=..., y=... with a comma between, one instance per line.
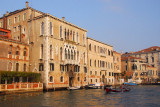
x=130, y=83
x=74, y=88
x=121, y=89
x=93, y=86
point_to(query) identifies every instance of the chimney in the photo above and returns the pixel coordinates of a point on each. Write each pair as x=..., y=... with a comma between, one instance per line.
x=27, y=4
x=63, y=18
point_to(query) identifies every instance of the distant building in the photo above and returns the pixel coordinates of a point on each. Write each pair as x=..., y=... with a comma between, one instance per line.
x=14, y=55
x=136, y=69
x=150, y=55
x=4, y=33
x=100, y=62
x=117, y=67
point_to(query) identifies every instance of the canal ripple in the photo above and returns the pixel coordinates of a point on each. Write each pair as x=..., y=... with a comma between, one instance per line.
x=139, y=96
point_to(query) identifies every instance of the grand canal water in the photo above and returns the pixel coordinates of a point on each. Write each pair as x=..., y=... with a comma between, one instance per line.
x=139, y=96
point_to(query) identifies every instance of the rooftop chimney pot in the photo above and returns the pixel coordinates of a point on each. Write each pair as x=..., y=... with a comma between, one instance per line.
x=27, y=4
x=63, y=18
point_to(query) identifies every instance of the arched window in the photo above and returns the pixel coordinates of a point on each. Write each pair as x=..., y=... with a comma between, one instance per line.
x=10, y=49
x=10, y=66
x=24, y=68
x=70, y=35
x=17, y=66
x=60, y=31
x=61, y=79
x=25, y=52
x=68, y=54
x=51, y=28
x=42, y=28
x=65, y=54
x=17, y=51
x=50, y=79
x=71, y=55
x=152, y=59
x=74, y=55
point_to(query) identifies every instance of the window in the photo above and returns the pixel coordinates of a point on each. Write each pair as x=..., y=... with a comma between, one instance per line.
x=95, y=72
x=109, y=73
x=61, y=68
x=109, y=52
x=65, y=54
x=17, y=66
x=61, y=53
x=68, y=54
x=15, y=19
x=126, y=67
x=95, y=48
x=65, y=33
x=42, y=28
x=85, y=79
x=83, y=40
x=10, y=49
x=77, y=55
x=50, y=28
x=105, y=73
x=95, y=63
x=19, y=18
x=147, y=59
x=17, y=51
x=51, y=67
x=85, y=69
x=152, y=59
x=90, y=72
x=78, y=79
x=40, y=67
x=77, y=38
x=60, y=31
x=71, y=55
x=50, y=79
x=90, y=62
x=61, y=79
x=24, y=68
x=41, y=51
x=24, y=16
x=90, y=47
x=51, y=52
x=9, y=21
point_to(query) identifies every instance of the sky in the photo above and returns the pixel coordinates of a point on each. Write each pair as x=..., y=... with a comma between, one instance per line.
x=127, y=25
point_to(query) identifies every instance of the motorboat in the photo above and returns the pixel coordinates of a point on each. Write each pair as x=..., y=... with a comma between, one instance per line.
x=93, y=86
x=130, y=83
x=74, y=88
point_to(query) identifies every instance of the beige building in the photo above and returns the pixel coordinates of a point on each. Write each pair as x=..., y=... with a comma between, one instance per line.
x=57, y=48
x=151, y=56
x=117, y=67
x=100, y=62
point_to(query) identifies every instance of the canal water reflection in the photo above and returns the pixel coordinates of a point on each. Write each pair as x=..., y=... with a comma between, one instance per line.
x=139, y=96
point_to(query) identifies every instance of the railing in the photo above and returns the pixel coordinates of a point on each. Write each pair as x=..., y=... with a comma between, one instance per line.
x=20, y=86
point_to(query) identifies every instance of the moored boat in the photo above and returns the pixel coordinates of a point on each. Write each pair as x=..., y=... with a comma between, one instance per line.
x=74, y=88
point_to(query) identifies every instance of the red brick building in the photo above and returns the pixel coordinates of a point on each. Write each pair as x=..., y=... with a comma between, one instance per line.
x=4, y=33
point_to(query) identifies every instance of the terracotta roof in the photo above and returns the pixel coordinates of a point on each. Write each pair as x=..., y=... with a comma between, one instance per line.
x=116, y=52
x=153, y=48
x=129, y=57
